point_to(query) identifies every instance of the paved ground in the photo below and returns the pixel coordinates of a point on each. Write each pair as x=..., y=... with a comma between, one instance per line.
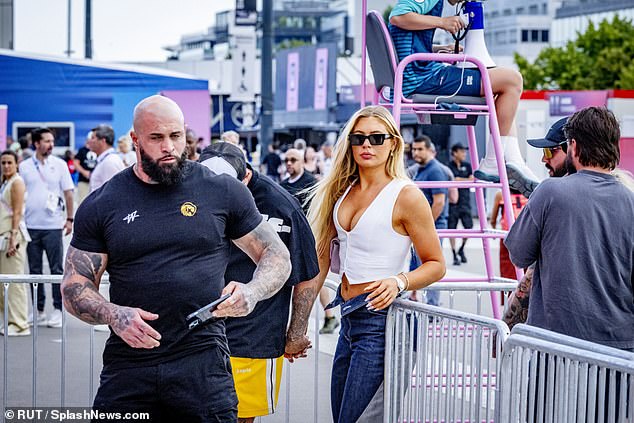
x=74, y=389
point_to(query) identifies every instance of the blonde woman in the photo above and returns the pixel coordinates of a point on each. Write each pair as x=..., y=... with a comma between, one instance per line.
x=369, y=207
x=12, y=253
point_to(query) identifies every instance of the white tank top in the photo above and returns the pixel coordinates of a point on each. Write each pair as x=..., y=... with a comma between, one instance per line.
x=373, y=250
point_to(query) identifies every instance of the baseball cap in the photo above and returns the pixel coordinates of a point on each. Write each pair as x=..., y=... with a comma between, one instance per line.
x=458, y=146
x=224, y=157
x=553, y=138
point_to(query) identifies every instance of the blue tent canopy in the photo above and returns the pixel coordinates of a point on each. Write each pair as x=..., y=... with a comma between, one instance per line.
x=43, y=89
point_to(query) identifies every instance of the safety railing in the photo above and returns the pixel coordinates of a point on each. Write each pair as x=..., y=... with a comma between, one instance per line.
x=43, y=360
x=471, y=292
x=440, y=364
x=549, y=377
x=54, y=358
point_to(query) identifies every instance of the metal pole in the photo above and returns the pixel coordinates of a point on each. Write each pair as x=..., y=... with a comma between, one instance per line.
x=88, y=30
x=266, y=116
x=68, y=28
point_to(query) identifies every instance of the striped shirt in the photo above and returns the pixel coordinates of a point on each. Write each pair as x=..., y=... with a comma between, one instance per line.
x=409, y=42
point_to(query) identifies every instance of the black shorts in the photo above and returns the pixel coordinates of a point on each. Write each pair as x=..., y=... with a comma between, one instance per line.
x=195, y=388
x=462, y=214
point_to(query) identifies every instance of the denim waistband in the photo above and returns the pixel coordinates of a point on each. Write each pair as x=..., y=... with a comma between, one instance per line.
x=348, y=306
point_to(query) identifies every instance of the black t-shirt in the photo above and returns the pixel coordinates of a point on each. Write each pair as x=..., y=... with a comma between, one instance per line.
x=262, y=334
x=87, y=160
x=272, y=162
x=294, y=188
x=462, y=171
x=168, y=248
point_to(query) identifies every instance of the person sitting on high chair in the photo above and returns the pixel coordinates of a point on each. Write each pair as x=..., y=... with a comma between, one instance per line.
x=412, y=26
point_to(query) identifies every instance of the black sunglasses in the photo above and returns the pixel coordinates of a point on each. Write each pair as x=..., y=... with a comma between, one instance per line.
x=375, y=139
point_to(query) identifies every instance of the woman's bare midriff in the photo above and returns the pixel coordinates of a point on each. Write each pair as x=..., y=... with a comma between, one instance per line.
x=349, y=290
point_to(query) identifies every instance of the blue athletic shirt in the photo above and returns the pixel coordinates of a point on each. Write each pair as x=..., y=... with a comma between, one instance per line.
x=168, y=248
x=409, y=42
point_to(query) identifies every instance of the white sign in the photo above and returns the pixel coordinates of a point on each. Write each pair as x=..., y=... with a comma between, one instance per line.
x=243, y=56
x=244, y=115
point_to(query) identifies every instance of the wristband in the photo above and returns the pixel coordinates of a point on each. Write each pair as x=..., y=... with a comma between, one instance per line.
x=406, y=280
x=400, y=285
x=70, y=219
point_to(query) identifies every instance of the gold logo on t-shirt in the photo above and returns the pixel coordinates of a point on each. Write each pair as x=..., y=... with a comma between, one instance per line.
x=188, y=209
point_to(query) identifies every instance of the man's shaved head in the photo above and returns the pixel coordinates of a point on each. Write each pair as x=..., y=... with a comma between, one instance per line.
x=155, y=107
x=159, y=138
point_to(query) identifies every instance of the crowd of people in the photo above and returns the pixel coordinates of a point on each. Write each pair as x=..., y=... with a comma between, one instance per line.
x=270, y=243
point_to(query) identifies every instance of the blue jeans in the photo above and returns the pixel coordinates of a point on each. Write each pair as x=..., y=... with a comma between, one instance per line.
x=357, y=370
x=49, y=241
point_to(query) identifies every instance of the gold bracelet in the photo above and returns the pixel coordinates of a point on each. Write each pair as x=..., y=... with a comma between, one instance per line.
x=406, y=280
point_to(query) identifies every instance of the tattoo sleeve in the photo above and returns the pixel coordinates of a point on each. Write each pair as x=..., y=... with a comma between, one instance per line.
x=304, y=295
x=273, y=264
x=80, y=287
x=517, y=311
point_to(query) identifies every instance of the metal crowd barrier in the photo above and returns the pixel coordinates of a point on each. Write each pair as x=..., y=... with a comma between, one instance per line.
x=440, y=364
x=74, y=377
x=43, y=365
x=476, y=289
x=549, y=377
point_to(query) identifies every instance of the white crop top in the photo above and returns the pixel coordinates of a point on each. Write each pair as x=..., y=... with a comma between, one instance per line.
x=373, y=250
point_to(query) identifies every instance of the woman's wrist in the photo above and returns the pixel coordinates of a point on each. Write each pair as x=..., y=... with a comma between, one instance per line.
x=405, y=279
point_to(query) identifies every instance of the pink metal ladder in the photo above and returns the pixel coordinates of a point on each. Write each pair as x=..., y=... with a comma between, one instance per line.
x=400, y=104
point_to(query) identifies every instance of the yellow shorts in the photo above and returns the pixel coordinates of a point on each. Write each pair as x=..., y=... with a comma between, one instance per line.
x=257, y=382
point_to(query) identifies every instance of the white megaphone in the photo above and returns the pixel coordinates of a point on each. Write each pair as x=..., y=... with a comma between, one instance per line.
x=475, y=46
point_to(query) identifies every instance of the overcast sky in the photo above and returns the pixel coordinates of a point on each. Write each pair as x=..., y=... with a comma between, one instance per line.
x=122, y=30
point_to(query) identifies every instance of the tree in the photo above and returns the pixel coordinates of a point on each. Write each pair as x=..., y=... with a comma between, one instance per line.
x=386, y=14
x=600, y=58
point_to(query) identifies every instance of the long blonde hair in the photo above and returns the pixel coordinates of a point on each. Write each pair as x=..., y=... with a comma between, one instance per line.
x=344, y=172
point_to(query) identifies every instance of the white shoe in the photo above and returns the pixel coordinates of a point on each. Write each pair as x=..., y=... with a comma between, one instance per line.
x=15, y=331
x=56, y=319
x=41, y=318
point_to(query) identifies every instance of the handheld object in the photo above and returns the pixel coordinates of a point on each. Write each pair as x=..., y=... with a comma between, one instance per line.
x=203, y=314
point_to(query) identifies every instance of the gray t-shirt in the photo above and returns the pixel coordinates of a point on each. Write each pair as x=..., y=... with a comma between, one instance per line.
x=580, y=231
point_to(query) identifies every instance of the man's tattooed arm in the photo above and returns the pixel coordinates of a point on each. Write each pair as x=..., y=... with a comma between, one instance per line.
x=517, y=311
x=80, y=286
x=304, y=295
x=80, y=293
x=273, y=262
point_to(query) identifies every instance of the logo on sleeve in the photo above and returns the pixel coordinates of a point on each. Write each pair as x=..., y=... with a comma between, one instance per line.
x=130, y=217
x=188, y=209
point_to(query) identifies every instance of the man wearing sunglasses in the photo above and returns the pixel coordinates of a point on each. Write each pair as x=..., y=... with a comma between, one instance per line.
x=554, y=148
x=579, y=231
x=427, y=168
x=298, y=178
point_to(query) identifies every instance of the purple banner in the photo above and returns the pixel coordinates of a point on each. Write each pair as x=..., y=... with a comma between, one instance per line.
x=3, y=127
x=195, y=105
x=565, y=103
x=292, y=82
x=321, y=78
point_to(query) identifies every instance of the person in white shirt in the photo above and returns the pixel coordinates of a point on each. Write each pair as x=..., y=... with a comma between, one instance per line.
x=109, y=163
x=49, y=211
x=124, y=146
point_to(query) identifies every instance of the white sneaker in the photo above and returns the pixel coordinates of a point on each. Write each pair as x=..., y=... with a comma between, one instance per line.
x=41, y=318
x=487, y=170
x=56, y=319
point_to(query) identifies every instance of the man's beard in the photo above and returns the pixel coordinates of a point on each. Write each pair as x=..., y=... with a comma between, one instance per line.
x=167, y=174
x=569, y=165
x=559, y=172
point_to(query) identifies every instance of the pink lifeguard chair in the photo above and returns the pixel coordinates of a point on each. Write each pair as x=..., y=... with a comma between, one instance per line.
x=388, y=73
